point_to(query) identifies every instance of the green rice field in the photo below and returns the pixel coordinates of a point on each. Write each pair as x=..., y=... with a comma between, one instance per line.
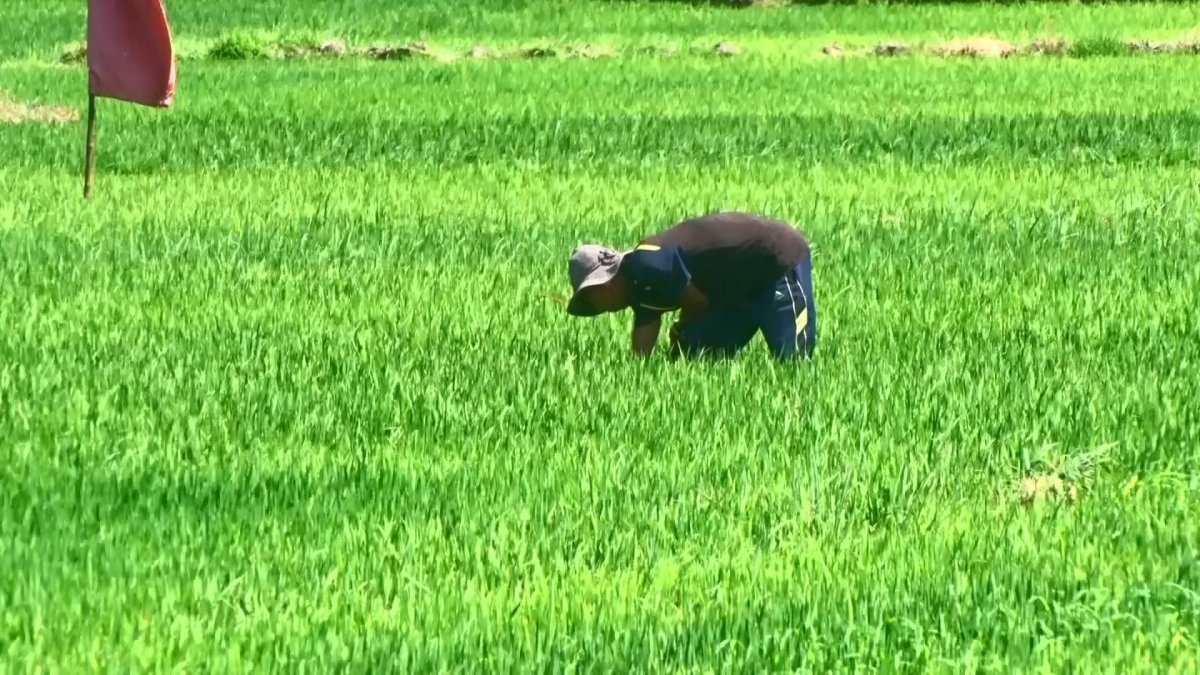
x=296, y=390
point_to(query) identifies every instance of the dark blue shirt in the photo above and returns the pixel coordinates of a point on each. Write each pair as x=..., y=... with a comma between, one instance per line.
x=657, y=277
x=730, y=257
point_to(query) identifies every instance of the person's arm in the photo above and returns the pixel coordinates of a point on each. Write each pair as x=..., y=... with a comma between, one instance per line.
x=658, y=279
x=645, y=334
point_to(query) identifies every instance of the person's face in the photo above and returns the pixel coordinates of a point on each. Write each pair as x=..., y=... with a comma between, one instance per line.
x=607, y=297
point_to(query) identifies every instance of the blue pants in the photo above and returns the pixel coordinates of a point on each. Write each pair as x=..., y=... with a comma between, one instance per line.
x=785, y=313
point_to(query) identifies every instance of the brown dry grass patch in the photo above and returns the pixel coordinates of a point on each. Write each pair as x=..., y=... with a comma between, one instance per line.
x=397, y=52
x=593, y=52
x=539, y=52
x=891, y=49
x=294, y=52
x=667, y=51
x=74, y=53
x=727, y=49
x=1168, y=47
x=1049, y=46
x=333, y=48
x=977, y=47
x=1040, y=488
x=13, y=111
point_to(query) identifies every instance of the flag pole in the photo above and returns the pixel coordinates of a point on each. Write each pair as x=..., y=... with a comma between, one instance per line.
x=90, y=161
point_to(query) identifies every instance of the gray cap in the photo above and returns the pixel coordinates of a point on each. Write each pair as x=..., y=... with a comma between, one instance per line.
x=591, y=265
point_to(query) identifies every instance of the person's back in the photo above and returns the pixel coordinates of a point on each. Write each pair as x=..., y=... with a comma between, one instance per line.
x=734, y=256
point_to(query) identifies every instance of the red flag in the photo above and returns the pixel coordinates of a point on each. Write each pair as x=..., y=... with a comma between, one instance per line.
x=130, y=52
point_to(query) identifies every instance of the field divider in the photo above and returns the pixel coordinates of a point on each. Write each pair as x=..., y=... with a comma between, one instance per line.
x=246, y=47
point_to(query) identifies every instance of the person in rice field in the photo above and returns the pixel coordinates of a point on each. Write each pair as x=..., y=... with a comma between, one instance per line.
x=730, y=274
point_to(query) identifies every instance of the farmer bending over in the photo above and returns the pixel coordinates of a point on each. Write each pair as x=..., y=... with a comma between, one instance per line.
x=731, y=274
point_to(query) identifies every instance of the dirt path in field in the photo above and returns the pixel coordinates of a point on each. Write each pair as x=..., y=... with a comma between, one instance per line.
x=983, y=46
x=971, y=47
